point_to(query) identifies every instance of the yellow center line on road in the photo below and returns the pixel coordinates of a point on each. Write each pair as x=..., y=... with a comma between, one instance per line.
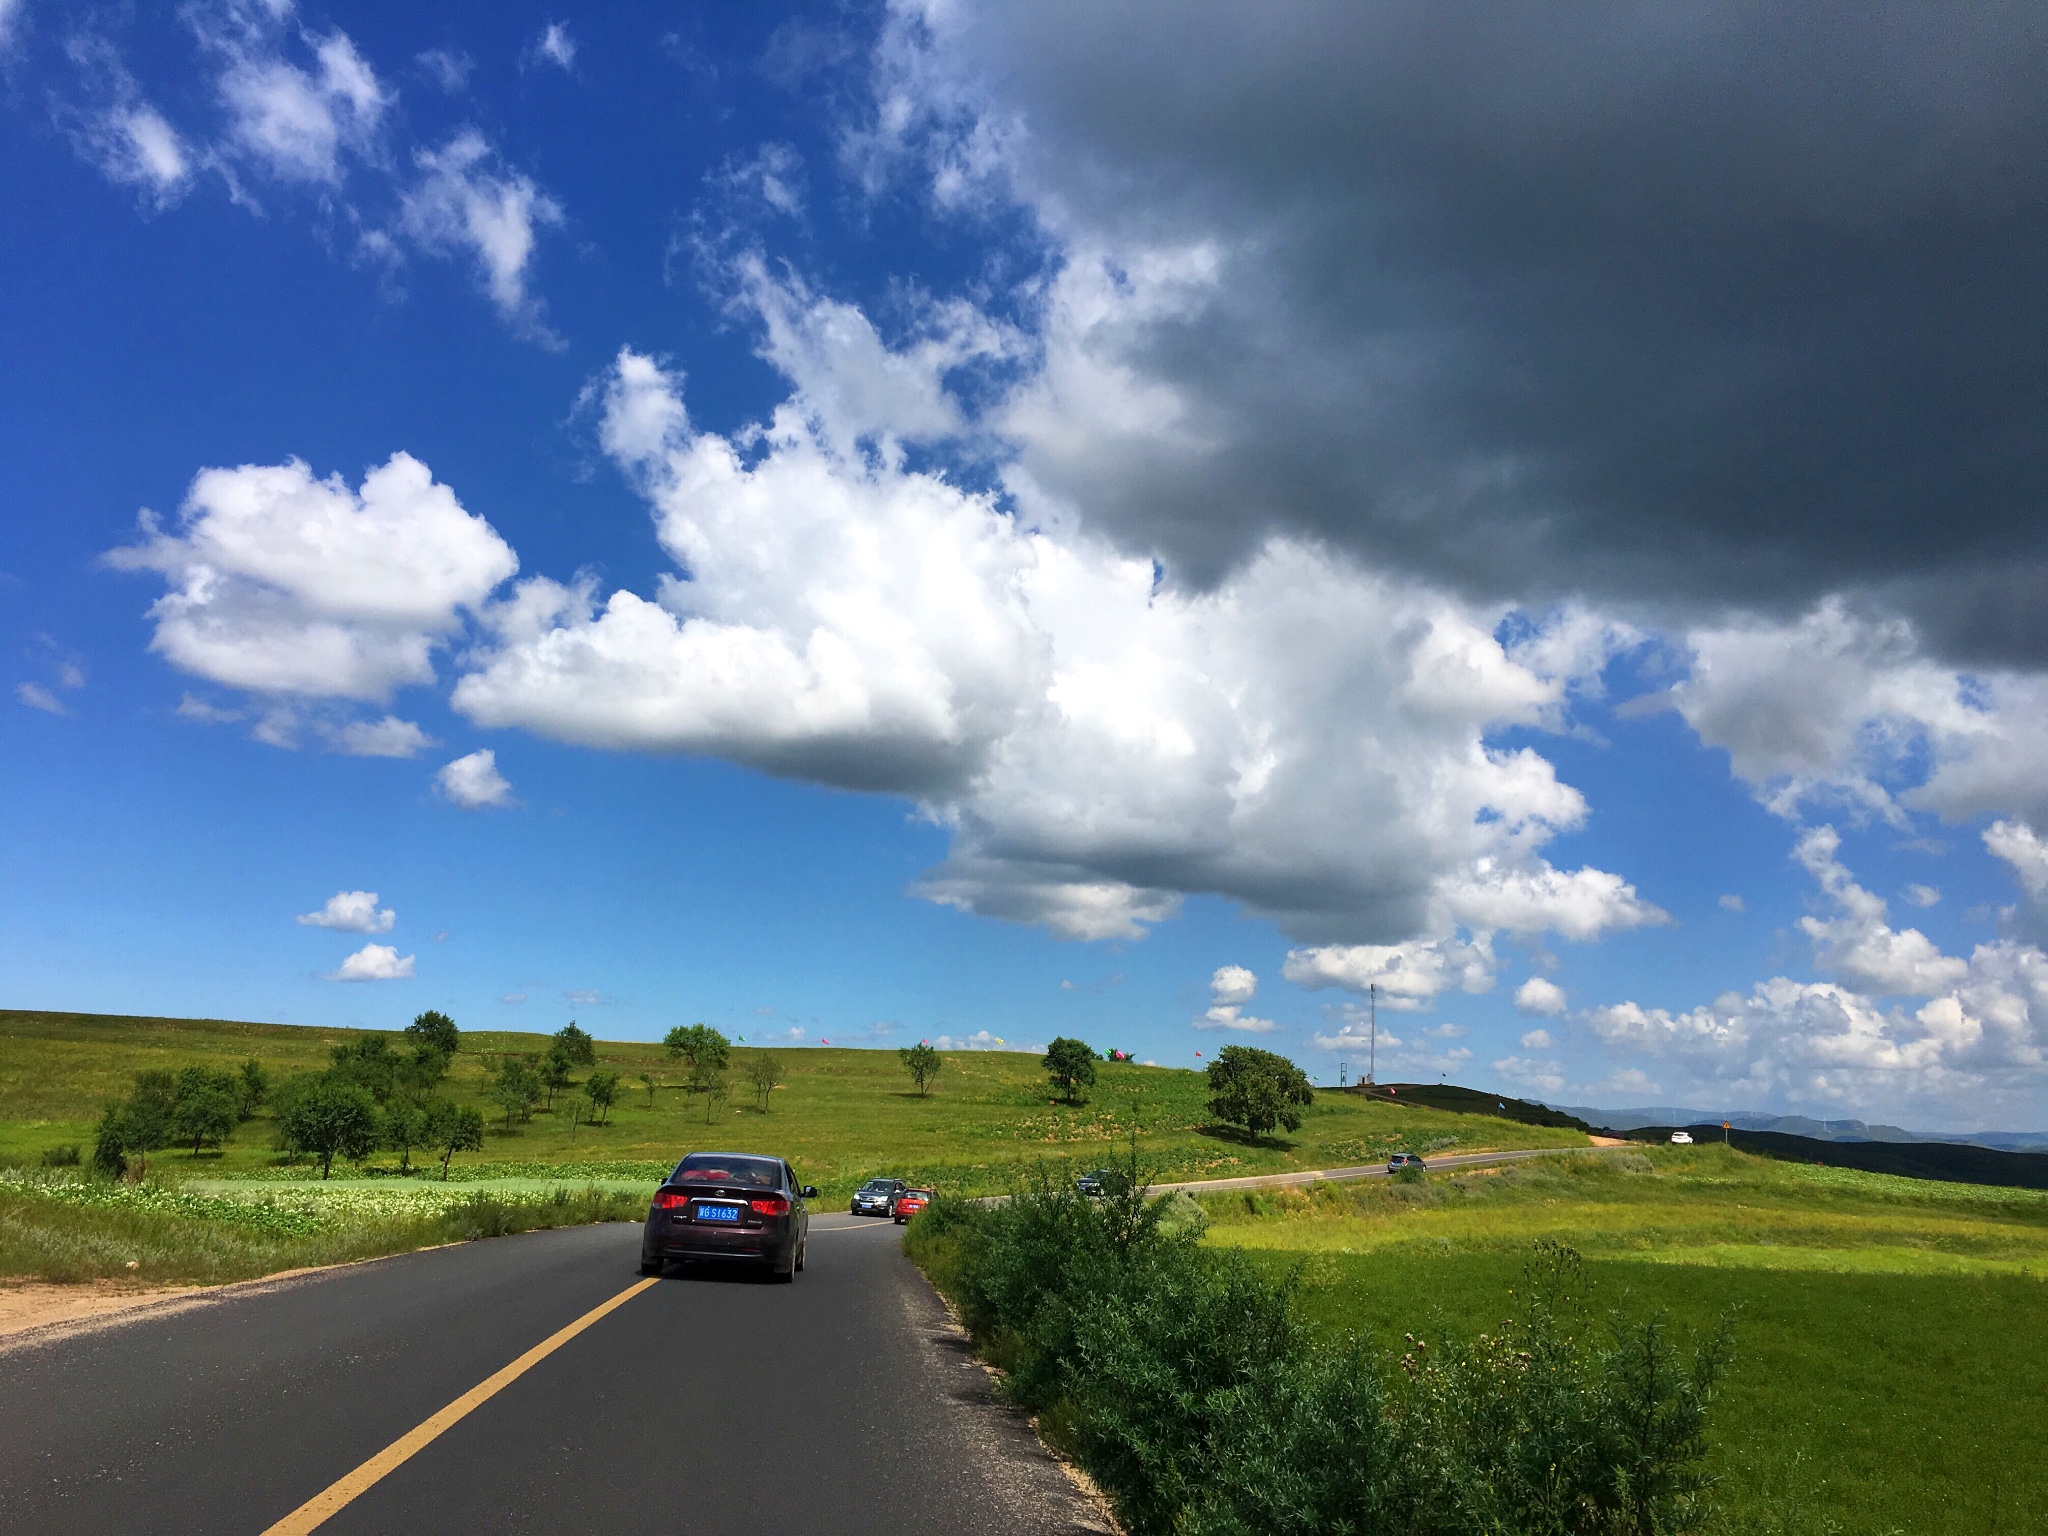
x=330, y=1500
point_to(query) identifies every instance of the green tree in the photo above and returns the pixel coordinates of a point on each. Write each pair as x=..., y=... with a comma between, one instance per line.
x=405, y=1127
x=332, y=1116
x=415, y=1077
x=1257, y=1090
x=1071, y=1066
x=434, y=1029
x=251, y=1088
x=369, y=1062
x=648, y=1079
x=515, y=1088
x=109, y=1141
x=700, y=1046
x=601, y=1088
x=452, y=1128
x=581, y=1049
x=765, y=1073
x=203, y=1106
x=921, y=1062
x=142, y=1123
x=711, y=1083
x=555, y=1071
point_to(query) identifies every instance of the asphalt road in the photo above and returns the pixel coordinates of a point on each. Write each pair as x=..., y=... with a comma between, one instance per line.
x=1436, y=1164
x=842, y=1403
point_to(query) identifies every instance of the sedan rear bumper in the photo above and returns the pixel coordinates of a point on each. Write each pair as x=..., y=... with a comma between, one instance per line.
x=771, y=1243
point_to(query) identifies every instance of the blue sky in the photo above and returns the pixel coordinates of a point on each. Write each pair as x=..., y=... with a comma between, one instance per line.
x=896, y=541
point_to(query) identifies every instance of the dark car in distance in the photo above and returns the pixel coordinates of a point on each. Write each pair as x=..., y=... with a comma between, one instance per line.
x=1101, y=1182
x=878, y=1197
x=729, y=1207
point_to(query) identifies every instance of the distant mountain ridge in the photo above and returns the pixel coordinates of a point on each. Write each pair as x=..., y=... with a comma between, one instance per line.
x=1801, y=1125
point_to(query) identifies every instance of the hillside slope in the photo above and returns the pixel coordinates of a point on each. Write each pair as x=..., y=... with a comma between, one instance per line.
x=841, y=1115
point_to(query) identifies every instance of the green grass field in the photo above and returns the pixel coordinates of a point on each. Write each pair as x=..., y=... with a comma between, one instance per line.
x=841, y=1116
x=1892, y=1334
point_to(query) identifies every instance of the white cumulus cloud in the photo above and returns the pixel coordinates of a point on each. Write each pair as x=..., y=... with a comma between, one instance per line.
x=1858, y=943
x=1232, y=984
x=286, y=584
x=1229, y=990
x=1408, y=977
x=350, y=912
x=2023, y=851
x=1839, y=707
x=1530, y=1075
x=1307, y=739
x=1981, y=1031
x=1539, y=996
x=374, y=962
x=474, y=783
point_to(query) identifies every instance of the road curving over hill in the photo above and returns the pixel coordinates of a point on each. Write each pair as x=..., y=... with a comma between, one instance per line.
x=846, y=1402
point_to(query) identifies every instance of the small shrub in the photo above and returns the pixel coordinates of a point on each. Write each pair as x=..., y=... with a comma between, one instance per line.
x=66, y=1156
x=1181, y=1213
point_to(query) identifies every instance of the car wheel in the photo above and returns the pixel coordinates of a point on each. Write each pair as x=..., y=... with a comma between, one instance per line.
x=649, y=1266
x=802, y=1252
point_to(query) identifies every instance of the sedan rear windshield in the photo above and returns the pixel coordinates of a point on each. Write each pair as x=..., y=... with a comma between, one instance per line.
x=717, y=1168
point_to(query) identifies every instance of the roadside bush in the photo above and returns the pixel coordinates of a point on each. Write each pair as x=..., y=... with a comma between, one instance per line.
x=1183, y=1381
x=65, y=1156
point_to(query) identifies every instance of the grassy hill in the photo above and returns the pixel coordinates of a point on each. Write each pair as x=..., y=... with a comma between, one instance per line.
x=841, y=1115
x=1891, y=1333
x=1950, y=1162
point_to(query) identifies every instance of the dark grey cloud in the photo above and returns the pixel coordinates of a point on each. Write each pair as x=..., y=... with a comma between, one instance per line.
x=1679, y=304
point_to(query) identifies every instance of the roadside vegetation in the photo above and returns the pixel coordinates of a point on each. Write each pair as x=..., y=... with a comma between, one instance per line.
x=60, y=1226
x=1186, y=1380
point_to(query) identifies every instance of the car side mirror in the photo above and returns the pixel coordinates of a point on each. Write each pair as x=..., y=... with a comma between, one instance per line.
x=809, y=1191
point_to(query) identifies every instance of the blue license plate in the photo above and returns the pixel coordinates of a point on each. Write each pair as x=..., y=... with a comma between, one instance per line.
x=717, y=1213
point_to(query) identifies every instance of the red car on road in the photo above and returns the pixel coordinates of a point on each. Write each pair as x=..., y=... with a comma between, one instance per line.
x=910, y=1202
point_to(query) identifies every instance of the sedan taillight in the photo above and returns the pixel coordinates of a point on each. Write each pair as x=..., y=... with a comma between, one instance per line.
x=774, y=1205
x=669, y=1200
